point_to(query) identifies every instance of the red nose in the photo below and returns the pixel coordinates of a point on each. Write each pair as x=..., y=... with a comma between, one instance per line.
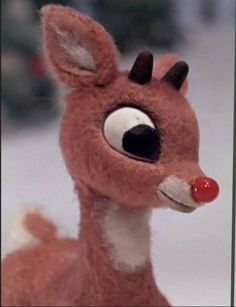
x=205, y=189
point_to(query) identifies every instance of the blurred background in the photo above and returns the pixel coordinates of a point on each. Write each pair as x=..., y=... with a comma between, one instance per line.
x=191, y=253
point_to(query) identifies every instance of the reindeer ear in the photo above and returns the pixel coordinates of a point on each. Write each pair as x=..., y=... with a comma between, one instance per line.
x=163, y=65
x=79, y=49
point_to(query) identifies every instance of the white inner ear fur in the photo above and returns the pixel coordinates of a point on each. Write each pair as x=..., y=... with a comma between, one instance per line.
x=76, y=53
x=127, y=233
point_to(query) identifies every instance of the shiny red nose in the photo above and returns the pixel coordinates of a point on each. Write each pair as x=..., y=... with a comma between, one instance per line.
x=205, y=189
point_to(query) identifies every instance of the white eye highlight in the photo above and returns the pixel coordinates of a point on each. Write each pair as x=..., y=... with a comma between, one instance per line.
x=132, y=131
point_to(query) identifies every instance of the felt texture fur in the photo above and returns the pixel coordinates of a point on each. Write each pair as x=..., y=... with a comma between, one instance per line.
x=84, y=272
x=65, y=30
x=127, y=229
x=76, y=273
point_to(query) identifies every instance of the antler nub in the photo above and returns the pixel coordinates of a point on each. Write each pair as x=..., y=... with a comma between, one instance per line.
x=141, y=71
x=176, y=75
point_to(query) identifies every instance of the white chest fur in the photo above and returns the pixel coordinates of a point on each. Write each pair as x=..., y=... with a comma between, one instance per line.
x=127, y=233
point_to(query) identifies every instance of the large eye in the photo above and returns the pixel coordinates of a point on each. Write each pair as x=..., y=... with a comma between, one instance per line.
x=132, y=132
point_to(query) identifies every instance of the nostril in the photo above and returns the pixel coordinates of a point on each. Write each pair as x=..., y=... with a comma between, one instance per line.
x=205, y=189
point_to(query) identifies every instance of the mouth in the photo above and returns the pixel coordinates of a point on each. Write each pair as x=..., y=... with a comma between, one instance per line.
x=176, y=205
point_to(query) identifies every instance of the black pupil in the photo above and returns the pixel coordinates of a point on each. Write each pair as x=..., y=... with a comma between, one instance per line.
x=142, y=141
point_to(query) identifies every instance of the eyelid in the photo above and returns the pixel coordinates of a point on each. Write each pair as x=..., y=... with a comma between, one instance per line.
x=136, y=105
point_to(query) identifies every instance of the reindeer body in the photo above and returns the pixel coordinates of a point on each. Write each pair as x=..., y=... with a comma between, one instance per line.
x=80, y=272
x=130, y=142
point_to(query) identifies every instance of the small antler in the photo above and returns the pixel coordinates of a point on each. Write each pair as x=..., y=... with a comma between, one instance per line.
x=141, y=71
x=176, y=75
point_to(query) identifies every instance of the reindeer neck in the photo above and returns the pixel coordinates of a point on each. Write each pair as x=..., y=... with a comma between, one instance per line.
x=112, y=236
x=114, y=254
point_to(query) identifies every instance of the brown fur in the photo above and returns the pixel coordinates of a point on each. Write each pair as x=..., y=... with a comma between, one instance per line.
x=65, y=272
x=89, y=34
x=40, y=227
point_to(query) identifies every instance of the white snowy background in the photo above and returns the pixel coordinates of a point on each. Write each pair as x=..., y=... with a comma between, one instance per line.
x=191, y=252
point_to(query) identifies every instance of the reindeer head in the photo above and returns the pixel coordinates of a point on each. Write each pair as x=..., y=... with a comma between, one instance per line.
x=131, y=136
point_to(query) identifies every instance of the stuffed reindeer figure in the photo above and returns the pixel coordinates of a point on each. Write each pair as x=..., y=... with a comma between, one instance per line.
x=130, y=142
